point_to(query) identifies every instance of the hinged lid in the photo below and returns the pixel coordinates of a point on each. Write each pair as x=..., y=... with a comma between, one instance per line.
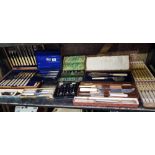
x=71, y=63
x=48, y=60
x=107, y=63
x=20, y=56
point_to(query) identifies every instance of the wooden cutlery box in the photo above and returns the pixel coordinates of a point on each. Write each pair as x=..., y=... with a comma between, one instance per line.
x=108, y=82
x=23, y=73
x=107, y=94
x=145, y=82
x=108, y=69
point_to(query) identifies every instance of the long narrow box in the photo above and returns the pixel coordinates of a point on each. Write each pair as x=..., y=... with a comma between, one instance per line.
x=141, y=72
x=145, y=82
x=101, y=94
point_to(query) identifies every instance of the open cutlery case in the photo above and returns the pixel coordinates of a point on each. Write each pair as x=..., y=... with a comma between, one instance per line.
x=145, y=82
x=23, y=69
x=108, y=69
x=72, y=73
x=73, y=69
x=108, y=82
x=20, y=78
x=49, y=64
x=105, y=94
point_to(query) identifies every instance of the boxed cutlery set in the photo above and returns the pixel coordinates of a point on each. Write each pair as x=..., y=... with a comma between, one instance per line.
x=66, y=90
x=141, y=72
x=23, y=73
x=39, y=92
x=20, y=78
x=106, y=95
x=72, y=74
x=108, y=83
x=48, y=64
x=28, y=93
x=73, y=69
x=108, y=69
x=145, y=82
x=147, y=93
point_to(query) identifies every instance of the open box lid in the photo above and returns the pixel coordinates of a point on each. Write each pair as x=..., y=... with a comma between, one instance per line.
x=24, y=57
x=107, y=63
x=74, y=63
x=19, y=57
x=48, y=60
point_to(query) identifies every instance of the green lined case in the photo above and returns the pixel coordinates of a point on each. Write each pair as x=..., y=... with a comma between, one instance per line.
x=73, y=68
x=74, y=63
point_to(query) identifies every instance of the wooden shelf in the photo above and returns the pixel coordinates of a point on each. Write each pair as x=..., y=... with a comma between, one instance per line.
x=62, y=103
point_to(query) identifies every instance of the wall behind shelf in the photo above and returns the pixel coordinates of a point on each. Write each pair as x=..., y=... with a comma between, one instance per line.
x=86, y=48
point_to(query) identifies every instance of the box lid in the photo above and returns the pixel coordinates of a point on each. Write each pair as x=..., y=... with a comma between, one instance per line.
x=107, y=63
x=74, y=63
x=20, y=56
x=48, y=60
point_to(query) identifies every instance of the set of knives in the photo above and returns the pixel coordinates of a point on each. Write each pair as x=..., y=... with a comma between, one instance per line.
x=104, y=76
x=107, y=94
x=72, y=73
x=35, y=92
x=18, y=79
x=68, y=89
x=141, y=72
x=70, y=79
x=145, y=82
x=147, y=93
x=106, y=89
x=21, y=56
x=71, y=76
x=23, y=63
x=39, y=92
x=49, y=74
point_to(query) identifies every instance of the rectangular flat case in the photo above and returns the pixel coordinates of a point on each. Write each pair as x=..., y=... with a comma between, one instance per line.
x=48, y=60
x=73, y=68
x=107, y=63
x=145, y=82
x=108, y=69
x=49, y=64
x=23, y=73
x=101, y=94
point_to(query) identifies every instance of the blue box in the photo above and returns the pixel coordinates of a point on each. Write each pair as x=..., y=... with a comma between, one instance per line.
x=49, y=63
